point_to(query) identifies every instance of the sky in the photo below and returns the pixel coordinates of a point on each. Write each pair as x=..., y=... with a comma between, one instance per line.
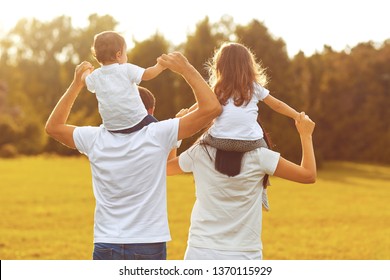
x=304, y=25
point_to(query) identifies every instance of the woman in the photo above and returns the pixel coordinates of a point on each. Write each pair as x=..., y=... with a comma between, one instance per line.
x=226, y=219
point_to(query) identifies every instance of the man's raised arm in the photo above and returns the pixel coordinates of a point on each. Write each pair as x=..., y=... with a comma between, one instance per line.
x=208, y=105
x=56, y=125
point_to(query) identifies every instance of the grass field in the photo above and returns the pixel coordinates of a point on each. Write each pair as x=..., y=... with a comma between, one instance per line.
x=47, y=210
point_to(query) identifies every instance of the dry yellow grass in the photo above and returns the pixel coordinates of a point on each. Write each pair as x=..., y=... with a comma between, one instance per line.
x=47, y=209
x=345, y=215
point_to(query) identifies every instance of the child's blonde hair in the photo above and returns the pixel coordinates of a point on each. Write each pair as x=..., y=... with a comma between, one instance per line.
x=233, y=71
x=106, y=45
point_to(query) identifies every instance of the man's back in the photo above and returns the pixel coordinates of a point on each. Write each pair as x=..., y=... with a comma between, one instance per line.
x=129, y=181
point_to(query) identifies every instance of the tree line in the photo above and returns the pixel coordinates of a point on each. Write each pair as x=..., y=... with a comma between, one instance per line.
x=346, y=92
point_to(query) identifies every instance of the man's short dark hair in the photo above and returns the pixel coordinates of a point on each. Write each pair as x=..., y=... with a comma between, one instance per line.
x=147, y=98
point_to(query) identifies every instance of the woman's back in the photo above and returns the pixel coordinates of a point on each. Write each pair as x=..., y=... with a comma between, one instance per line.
x=227, y=213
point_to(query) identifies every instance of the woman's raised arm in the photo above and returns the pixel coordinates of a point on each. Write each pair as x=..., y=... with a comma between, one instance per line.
x=307, y=171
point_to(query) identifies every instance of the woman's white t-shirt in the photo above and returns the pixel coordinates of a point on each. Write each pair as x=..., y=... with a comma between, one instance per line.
x=227, y=214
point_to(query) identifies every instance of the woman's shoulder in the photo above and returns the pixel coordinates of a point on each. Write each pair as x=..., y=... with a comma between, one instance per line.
x=268, y=159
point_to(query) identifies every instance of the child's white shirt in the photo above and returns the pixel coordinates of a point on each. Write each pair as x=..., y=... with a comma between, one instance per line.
x=119, y=101
x=240, y=122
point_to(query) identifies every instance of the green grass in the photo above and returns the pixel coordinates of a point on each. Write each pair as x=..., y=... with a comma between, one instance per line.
x=47, y=210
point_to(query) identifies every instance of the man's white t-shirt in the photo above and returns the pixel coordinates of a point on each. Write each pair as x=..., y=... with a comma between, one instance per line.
x=227, y=214
x=129, y=181
x=240, y=122
x=119, y=102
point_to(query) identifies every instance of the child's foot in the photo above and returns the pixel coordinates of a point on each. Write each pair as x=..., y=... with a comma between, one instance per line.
x=264, y=200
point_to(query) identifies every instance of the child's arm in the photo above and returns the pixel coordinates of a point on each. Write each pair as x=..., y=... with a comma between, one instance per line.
x=152, y=72
x=85, y=74
x=281, y=107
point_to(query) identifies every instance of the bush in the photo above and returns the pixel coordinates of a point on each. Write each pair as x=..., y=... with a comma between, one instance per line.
x=8, y=151
x=9, y=130
x=32, y=139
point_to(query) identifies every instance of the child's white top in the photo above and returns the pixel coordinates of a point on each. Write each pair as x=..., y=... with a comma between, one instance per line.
x=240, y=122
x=115, y=85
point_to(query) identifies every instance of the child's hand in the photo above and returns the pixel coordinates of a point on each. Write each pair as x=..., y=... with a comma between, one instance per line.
x=160, y=67
x=82, y=71
x=88, y=70
x=182, y=113
x=175, y=61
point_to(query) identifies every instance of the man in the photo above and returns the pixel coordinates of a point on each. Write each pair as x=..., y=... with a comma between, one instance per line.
x=148, y=99
x=129, y=170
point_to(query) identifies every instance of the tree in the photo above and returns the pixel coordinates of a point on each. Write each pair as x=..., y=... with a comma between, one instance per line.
x=346, y=93
x=198, y=49
x=145, y=54
x=37, y=49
